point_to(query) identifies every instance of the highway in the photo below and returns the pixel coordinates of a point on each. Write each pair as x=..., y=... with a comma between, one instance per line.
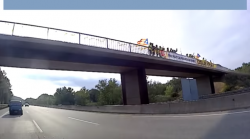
x=49, y=123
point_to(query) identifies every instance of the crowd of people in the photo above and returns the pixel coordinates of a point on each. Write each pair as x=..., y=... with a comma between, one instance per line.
x=158, y=52
x=203, y=61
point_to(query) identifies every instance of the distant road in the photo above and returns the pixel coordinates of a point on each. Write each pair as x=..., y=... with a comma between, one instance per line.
x=48, y=123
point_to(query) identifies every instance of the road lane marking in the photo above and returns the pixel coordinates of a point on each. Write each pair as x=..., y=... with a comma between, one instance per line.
x=83, y=121
x=37, y=126
x=4, y=114
x=192, y=115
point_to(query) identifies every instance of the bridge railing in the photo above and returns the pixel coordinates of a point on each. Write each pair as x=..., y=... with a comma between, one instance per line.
x=41, y=32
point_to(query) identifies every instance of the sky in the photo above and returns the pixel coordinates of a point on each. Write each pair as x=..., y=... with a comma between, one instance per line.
x=220, y=36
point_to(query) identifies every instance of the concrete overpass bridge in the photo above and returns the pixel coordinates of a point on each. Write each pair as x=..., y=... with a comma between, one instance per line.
x=100, y=54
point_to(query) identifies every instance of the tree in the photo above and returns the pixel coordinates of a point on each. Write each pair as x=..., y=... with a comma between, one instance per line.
x=235, y=82
x=110, y=92
x=155, y=90
x=94, y=95
x=169, y=91
x=82, y=97
x=177, y=89
x=45, y=99
x=31, y=101
x=5, y=88
x=65, y=96
x=245, y=68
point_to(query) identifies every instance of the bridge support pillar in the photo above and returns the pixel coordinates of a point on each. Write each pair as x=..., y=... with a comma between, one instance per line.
x=205, y=85
x=134, y=87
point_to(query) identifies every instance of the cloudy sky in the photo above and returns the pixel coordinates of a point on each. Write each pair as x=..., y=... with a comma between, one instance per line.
x=220, y=36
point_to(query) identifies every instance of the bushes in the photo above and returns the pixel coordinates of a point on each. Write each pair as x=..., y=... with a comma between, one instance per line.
x=159, y=92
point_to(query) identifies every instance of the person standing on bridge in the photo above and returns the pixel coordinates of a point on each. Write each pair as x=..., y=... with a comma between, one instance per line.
x=150, y=48
x=162, y=52
x=159, y=51
x=175, y=51
x=156, y=51
x=153, y=50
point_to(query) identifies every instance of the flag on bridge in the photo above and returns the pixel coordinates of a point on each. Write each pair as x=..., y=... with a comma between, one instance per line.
x=143, y=42
x=198, y=56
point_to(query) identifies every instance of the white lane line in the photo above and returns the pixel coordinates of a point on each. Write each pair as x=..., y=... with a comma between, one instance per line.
x=83, y=121
x=37, y=126
x=4, y=114
x=198, y=115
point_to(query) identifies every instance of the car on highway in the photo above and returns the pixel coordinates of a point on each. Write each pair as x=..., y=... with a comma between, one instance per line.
x=26, y=104
x=15, y=107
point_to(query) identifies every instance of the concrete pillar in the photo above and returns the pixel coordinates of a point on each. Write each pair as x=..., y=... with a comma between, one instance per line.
x=205, y=85
x=134, y=87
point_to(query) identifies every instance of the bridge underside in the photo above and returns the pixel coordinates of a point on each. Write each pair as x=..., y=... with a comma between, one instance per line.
x=70, y=66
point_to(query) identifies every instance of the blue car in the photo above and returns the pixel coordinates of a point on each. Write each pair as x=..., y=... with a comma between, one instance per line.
x=15, y=107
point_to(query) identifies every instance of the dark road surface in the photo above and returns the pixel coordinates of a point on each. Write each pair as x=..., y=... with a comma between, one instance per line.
x=48, y=123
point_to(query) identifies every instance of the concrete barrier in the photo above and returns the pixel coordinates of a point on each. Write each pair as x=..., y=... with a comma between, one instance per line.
x=2, y=106
x=205, y=105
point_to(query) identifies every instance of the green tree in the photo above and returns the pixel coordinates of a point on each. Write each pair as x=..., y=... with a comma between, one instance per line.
x=155, y=91
x=65, y=96
x=5, y=88
x=94, y=95
x=235, y=82
x=31, y=101
x=82, y=97
x=169, y=91
x=45, y=99
x=110, y=92
x=245, y=68
x=176, y=83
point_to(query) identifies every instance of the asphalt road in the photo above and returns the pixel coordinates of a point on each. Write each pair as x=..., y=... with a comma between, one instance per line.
x=49, y=123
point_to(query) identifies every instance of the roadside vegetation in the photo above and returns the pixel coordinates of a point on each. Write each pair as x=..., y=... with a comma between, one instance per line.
x=235, y=82
x=5, y=88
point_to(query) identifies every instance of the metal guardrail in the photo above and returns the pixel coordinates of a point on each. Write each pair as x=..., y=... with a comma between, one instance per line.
x=228, y=93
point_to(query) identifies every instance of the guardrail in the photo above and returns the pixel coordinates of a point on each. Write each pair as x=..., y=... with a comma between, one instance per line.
x=14, y=28
x=228, y=93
